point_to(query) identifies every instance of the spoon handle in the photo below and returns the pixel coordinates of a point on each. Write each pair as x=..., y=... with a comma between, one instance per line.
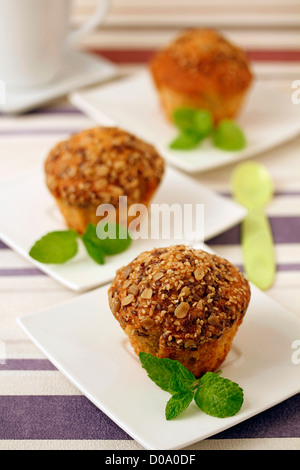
x=258, y=249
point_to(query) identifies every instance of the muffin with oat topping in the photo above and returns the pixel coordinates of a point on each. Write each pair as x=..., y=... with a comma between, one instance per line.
x=181, y=303
x=201, y=69
x=97, y=166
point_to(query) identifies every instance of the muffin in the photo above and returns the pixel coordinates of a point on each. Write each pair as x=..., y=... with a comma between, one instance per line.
x=180, y=303
x=201, y=69
x=97, y=166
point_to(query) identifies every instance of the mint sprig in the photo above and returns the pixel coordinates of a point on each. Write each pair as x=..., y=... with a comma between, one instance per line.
x=60, y=246
x=214, y=395
x=55, y=247
x=195, y=125
x=229, y=136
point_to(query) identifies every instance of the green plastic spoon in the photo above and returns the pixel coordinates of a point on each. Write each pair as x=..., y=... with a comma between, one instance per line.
x=253, y=188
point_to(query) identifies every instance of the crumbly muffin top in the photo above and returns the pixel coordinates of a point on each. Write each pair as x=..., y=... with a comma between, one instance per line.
x=204, y=53
x=98, y=165
x=191, y=295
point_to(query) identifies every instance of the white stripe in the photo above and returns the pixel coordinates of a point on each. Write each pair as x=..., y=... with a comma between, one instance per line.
x=262, y=70
x=22, y=349
x=285, y=206
x=107, y=444
x=194, y=13
x=90, y=4
x=285, y=253
x=45, y=122
x=156, y=38
x=35, y=383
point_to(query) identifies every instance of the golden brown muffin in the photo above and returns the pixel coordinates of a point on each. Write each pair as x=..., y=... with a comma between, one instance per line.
x=95, y=167
x=201, y=69
x=180, y=303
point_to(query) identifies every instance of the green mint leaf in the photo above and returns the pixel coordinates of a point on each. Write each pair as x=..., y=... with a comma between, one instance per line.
x=199, y=121
x=94, y=251
x=112, y=238
x=186, y=140
x=164, y=370
x=178, y=403
x=55, y=247
x=92, y=245
x=177, y=384
x=229, y=136
x=218, y=396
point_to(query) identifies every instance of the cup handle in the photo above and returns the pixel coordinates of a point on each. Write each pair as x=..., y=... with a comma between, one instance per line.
x=91, y=23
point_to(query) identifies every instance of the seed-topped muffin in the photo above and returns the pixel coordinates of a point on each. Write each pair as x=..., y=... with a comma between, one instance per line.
x=201, y=69
x=97, y=166
x=180, y=303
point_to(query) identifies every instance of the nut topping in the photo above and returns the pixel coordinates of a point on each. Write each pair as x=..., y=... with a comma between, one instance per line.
x=147, y=293
x=182, y=310
x=115, y=306
x=147, y=323
x=127, y=300
x=199, y=274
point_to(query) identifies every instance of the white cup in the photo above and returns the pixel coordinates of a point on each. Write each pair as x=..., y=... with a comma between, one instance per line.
x=34, y=37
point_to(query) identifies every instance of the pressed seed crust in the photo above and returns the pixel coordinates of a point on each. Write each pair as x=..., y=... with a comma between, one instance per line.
x=178, y=300
x=97, y=166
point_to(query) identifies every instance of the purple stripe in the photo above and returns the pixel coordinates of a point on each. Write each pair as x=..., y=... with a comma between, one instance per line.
x=27, y=364
x=54, y=417
x=285, y=230
x=75, y=417
x=21, y=272
x=284, y=267
x=276, y=193
x=3, y=246
x=62, y=110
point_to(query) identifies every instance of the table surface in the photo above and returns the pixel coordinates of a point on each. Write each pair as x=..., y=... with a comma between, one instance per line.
x=39, y=408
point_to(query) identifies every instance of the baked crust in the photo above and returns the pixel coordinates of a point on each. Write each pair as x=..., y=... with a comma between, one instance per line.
x=97, y=166
x=201, y=68
x=180, y=303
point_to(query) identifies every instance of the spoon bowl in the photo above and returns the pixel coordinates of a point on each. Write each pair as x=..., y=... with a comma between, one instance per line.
x=252, y=185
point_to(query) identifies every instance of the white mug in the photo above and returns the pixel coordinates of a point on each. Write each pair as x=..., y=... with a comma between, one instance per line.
x=34, y=37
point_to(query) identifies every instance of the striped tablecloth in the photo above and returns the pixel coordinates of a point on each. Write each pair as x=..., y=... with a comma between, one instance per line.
x=39, y=408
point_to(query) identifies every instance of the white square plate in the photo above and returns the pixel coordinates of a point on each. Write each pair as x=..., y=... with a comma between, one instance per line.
x=85, y=342
x=28, y=212
x=269, y=118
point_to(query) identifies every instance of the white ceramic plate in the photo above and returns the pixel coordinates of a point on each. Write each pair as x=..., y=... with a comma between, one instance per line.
x=29, y=212
x=85, y=342
x=79, y=70
x=268, y=119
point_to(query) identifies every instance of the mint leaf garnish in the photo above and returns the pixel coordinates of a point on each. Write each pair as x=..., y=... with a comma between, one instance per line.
x=178, y=403
x=218, y=396
x=117, y=238
x=194, y=125
x=198, y=121
x=58, y=247
x=92, y=244
x=197, y=124
x=229, y=136
x=186, y=140
x=162, y=370
x=55, y=247
x=213, y=394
